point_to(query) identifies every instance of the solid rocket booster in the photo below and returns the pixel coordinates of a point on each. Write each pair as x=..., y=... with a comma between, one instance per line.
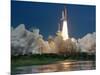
x=64, y=15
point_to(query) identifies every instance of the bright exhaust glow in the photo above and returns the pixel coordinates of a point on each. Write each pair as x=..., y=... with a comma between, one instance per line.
x=65, y=30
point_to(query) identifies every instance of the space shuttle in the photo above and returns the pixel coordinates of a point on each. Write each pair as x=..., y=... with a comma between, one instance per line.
x=64, y=31
x=62, y=27
x=63, y=18
x=64, y=14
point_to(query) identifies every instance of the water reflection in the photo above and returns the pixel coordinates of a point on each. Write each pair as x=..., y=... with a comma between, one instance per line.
x=59, y=66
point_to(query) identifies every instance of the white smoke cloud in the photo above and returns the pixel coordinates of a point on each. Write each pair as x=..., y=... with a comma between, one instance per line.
x=88, y=43
x=24, y=41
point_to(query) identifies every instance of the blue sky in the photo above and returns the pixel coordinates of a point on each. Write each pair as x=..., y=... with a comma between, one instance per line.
x=46, y=16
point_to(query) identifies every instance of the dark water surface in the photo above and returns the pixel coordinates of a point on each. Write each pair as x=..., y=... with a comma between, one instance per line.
x=56, y=67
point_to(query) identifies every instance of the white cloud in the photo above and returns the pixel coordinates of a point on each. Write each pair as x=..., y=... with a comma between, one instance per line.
x=88, y=43
x=24, y=41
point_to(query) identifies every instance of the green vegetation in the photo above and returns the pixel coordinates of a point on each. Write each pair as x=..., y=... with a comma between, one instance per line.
x=34, y=59
x=37, y=59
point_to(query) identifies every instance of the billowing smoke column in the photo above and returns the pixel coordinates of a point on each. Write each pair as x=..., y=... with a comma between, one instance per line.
x=64, y=31
x=26, y=42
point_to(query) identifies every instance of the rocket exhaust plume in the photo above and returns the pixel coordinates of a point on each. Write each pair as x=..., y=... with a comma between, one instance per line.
x=64, y=32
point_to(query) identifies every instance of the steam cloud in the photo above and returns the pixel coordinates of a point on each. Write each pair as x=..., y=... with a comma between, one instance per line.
x=26, y=42
x=88, y=42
